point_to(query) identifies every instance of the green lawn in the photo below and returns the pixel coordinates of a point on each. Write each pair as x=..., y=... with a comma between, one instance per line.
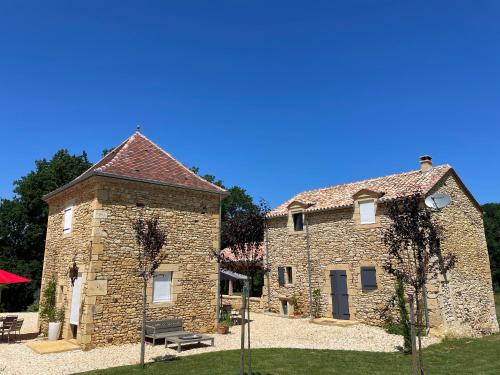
x=466, y=356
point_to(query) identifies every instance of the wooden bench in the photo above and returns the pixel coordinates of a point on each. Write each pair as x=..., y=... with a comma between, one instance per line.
x=161, y=329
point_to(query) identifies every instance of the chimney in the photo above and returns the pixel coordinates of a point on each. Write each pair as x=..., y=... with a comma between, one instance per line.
x=425, y=163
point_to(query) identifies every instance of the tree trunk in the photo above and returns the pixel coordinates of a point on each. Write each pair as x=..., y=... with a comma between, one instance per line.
x=242, y=349
x=143, y=329
x=419, y=335
x=414, y=358
x=248, y=317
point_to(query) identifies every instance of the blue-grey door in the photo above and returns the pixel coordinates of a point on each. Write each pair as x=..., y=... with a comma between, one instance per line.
x=340, y=297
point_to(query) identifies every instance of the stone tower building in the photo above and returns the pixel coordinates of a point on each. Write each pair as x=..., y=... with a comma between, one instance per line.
x=90, y=224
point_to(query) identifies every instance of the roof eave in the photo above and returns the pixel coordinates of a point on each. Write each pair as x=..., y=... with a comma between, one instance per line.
x=222, y=192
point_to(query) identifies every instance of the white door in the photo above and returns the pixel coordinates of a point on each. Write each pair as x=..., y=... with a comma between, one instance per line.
x=75, y=301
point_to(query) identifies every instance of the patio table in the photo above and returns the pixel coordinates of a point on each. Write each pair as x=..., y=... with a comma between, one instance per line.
x=180, y=340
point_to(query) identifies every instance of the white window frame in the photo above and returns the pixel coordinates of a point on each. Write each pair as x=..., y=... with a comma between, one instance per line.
x=369, y=217
x=68, y=219
x=165, y=296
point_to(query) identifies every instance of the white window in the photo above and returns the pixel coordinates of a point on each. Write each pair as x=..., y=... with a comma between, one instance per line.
x=367, y=212
x=68, y=216
x=162, y=286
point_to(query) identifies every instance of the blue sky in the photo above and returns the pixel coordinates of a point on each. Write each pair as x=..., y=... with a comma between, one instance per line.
x=277, y=97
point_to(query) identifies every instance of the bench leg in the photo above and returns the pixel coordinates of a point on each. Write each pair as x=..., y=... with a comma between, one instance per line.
x=179, y=348
x=212, y=342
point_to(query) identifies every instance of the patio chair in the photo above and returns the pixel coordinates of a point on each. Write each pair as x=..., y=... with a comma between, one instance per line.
x=15, y=329
x=6, y=323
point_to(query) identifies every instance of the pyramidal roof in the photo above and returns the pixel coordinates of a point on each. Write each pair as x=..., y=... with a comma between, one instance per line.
x=389, y=187
x=140, y=159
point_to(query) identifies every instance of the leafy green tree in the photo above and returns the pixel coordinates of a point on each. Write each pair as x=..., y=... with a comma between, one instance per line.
x=106, y=151
x=492, y=230
x=238, y=199
x=23, y=224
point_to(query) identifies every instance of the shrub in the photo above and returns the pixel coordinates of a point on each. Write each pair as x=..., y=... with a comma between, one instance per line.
x=225, y=319
x=295, y=303
x=48, y=309
x=316, y=303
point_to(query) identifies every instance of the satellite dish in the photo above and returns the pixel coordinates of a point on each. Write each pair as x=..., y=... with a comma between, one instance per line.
x=438, y=200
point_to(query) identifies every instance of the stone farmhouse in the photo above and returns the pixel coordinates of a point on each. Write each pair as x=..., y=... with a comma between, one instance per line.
x=90, y=224
x=330, y=240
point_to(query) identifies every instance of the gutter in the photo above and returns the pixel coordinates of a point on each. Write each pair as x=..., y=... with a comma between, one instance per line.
x=217, y=292
x=268, y=270
x=308, y=248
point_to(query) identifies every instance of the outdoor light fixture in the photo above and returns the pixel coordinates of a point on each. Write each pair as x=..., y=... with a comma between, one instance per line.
x=73, y=273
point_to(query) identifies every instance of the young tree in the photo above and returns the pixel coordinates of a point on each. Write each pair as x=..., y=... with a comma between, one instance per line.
x=150, y=238
x=243, y=232
x=414, y=256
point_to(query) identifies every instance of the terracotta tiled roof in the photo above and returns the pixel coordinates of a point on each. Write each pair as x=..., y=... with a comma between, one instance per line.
x=390, y=187
x=138, y=158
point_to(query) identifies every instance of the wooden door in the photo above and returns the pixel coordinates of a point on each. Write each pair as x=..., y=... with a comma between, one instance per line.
x=340, y=297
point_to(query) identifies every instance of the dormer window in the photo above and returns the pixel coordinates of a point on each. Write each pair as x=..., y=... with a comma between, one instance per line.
x=298, y=221
x=367, y=212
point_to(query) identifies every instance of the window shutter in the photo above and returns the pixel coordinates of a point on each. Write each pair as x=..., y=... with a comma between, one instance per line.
x=367, y=212
x=368, y=278
x=289, y=275
x=162, y=285
x=281, y=276
x=68, y=216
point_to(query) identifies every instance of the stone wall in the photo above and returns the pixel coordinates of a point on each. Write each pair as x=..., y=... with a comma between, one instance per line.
x=104, y=242
x=464, y=305
x=62, y=249
x=337, y=241
x=257, y=304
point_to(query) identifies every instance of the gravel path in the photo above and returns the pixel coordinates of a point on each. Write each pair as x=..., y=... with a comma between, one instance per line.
x=267, y=332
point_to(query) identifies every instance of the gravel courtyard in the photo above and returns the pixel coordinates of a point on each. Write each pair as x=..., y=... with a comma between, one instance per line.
x=267, y=332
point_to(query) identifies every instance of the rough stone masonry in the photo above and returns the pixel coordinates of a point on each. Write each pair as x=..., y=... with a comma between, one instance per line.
x=102, y=243
x=462, y=305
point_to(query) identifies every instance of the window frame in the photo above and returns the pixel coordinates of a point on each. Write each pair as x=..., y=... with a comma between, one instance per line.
x=296, y=215
x=170, y=296
x=289, y=275
x=281, y=276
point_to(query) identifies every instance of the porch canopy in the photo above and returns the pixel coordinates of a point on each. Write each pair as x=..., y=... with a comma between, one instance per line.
x=229, y=275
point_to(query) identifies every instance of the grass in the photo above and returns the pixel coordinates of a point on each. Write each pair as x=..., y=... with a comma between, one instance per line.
x=464, y=356
x=497, y=305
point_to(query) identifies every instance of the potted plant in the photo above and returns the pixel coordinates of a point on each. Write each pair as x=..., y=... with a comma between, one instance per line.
x=224, y=323
x=50, y=312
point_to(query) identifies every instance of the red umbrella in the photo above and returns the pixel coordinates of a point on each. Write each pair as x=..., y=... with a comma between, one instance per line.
x=10, y=278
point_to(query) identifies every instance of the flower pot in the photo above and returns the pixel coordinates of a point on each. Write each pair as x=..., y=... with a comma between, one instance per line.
x=54, y=330
x=222, y=330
